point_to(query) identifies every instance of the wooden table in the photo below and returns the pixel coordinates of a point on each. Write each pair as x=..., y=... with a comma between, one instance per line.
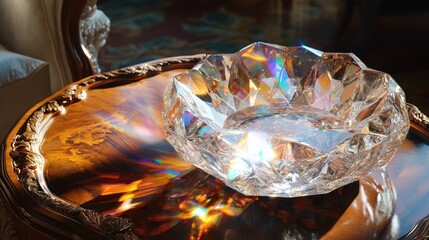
x=91, y=162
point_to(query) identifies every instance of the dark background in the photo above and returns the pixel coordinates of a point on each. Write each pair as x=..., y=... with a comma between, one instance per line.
x=387, y=35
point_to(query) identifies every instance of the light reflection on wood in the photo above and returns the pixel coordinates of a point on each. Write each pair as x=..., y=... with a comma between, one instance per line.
x=108, y=152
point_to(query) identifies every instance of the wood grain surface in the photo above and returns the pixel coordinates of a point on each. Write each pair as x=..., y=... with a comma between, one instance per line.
x=107, y=152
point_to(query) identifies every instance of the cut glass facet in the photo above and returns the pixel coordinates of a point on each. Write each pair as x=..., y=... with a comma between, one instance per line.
x=285, y=121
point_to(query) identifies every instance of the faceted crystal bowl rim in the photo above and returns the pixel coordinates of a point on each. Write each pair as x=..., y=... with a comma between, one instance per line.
x=310, y=49
x=221, y=128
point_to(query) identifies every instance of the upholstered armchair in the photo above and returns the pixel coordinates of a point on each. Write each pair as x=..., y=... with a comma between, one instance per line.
x=45, y=45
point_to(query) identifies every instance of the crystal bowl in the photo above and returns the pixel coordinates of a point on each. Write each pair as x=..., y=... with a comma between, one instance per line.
x=283, y=121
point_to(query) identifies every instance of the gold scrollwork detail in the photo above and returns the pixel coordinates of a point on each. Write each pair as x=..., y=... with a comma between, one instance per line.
x=417, y=117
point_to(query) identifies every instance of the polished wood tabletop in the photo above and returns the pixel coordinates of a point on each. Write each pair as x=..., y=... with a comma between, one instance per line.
x=91, y=162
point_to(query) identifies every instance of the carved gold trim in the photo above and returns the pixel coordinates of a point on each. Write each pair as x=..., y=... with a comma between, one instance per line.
x=419, y=231
x=419, y=119
x=28, y=163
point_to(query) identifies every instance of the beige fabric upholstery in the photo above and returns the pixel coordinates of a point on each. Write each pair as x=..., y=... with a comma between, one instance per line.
x=17, y=97
x=33, y=28
x=49, y=31
x=15, y=66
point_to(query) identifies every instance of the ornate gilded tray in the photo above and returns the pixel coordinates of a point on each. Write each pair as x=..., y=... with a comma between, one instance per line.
x=92, y=162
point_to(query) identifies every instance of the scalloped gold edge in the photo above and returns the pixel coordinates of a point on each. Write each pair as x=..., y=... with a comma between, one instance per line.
x=418, y=119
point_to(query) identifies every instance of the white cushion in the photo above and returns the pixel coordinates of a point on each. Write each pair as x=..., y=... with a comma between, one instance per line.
x=15, y=66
